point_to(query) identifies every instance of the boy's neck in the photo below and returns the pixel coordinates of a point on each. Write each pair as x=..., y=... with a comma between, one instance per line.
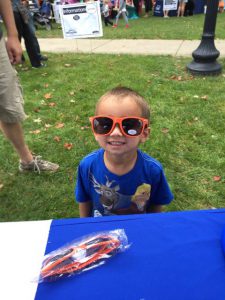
x=120, y=165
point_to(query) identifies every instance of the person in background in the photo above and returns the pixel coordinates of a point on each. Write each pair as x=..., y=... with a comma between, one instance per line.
x=181, y=7
x=119, y=178
x=25, y=28
x=121, y=7
x=11, y=100
x=148, y=7
x=105, y=11
x=165, y=13
x=136, y=4
x=221, y=6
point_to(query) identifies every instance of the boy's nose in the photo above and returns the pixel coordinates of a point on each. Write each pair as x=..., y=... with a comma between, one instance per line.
x=116, y=131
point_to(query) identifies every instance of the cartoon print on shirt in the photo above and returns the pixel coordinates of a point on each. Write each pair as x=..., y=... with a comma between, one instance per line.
x=141, y=196
x=109, y=195
x=115, y=203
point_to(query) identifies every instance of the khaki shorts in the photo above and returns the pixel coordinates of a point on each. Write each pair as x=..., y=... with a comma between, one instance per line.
x=11, y=99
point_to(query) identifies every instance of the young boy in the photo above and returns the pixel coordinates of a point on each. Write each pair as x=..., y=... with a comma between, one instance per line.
x=119, y=178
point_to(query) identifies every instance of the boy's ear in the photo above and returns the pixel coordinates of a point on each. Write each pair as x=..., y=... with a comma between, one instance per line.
x=145, y=134
x=96, y=137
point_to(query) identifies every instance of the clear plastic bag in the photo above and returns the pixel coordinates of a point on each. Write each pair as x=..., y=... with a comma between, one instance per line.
x=82, y=254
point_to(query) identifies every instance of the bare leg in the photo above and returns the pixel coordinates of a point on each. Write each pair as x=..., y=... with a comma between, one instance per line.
x=14, y=133
x=183, y=9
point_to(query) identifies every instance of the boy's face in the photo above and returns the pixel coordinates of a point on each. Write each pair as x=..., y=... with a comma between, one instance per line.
x=117, y=143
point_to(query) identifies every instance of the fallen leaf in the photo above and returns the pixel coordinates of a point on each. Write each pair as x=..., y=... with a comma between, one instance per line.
x=37, y=109
x=46, y=85
x=1, y=186
x=67, y=65
x=72, y=101
x=84, y=127
x=175, y=77
x=43, y=102
x=25, y=69
x=216, y=178
x=57, y=138
x=71, y=93
x=38, y=120
x=68, y=146
x=51, y=104
x=37, y=131
x=48, y=125
x=48, y=96
x=165, y=130
x=59, y=125
x=205, y=97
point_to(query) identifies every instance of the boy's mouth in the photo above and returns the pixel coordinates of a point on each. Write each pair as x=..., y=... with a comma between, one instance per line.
x=116, y=143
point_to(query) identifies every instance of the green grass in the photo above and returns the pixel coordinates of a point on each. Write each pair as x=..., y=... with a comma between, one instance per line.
x=188, y=117
x=187, y=28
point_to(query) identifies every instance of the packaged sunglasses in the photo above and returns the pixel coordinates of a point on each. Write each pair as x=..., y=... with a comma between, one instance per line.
x=82, y=254
x=129, y=126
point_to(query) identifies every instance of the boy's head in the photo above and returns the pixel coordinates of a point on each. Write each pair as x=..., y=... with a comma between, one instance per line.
x=121, y=120
x=120, y=93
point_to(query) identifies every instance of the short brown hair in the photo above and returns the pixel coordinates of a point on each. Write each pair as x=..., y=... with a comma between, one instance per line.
x=123, y=92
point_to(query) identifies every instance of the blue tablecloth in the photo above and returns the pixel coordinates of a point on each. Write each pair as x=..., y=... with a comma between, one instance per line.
x=172, y=256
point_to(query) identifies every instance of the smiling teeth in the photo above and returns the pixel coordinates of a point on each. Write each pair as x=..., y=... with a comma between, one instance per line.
x=116, y=143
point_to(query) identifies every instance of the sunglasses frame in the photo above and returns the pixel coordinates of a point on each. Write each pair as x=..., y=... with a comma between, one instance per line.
x=119, y=121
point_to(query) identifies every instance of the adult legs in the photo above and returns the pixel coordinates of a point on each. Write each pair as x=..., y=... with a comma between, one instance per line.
x=181, y=9
x=117, y=18
x=31, y=42
x=14, y=133
x=165, y=13
x=136, y=5
x=11, y=106
x=125, y=17
x=12, y=114
x=147, y=8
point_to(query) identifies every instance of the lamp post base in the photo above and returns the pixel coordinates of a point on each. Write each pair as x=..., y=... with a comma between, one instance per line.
x=204, y=68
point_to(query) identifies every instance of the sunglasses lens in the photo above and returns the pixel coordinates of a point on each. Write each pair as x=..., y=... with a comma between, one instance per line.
x=102, y=125
x=132, y=127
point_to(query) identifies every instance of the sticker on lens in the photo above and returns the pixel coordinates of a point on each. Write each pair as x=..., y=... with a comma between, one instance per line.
x=132, y=132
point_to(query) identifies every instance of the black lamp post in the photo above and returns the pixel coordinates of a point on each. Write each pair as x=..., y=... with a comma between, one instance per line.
x=205, y=55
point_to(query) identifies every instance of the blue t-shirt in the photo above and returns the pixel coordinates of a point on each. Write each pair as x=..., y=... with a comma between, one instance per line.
x=130, y=193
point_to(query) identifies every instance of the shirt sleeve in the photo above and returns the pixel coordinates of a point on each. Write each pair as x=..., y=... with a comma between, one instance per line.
x=161, y=193
x=81, y=193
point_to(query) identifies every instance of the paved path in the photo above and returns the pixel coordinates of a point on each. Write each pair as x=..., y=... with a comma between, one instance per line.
x=139, y=47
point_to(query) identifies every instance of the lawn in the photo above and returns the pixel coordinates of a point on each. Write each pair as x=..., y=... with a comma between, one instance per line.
x=187, y=28
x=187, y=137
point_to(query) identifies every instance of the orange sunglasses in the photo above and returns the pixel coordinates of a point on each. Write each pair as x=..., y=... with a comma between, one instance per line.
x=129, y=126
x=78, y=258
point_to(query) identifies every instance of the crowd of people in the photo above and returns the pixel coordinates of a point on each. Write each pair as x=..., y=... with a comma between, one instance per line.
x=115, y=8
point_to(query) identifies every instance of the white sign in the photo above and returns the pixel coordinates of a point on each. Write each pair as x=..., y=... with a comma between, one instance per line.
x=169, y=4
x=81, y=20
